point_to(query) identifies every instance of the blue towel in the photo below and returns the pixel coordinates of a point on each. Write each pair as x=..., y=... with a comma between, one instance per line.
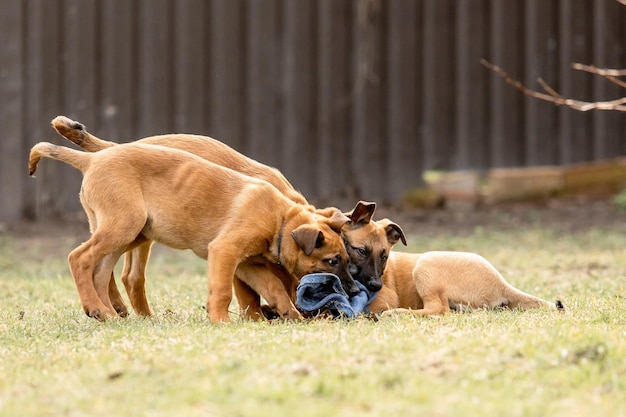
x=323, y=291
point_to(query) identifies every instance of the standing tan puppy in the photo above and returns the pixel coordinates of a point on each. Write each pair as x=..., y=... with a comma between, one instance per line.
x=366, y=243
x=135, y=192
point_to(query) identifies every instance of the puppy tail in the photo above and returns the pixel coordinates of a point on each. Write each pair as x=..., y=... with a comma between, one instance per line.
x=77, y=159
x=76, y=133
x=524, y=301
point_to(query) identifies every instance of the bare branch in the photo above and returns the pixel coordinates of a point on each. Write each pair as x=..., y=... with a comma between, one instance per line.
x=548, y=89
x=554, y=97
x=609, y=74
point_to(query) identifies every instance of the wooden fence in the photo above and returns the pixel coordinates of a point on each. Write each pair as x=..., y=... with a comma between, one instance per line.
x=350, y=99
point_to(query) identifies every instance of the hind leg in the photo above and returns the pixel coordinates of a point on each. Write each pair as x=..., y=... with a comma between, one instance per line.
x=249, y=301
x=134, y=277
x=116, y=298
x=103, y=281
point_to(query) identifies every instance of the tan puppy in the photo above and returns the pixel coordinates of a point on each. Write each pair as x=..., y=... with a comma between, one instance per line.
x=435, y=282
x=135, y=192
x=366, y=243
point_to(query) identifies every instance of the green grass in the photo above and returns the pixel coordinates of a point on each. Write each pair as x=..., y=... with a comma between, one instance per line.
x=55, y=361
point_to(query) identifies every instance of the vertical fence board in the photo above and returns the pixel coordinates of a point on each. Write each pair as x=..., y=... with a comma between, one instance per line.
x=575, y=41
x=227, y=79
x=608, y=52
x=439, y=83
x=404, y=162
x=156, y=65
x=299, y=150
x=79, y=83
x=119, y=71
x=43, y=92
x=472, y=111
x=335, y=95
x=190, y=90
x=541, y=61
x=263, y=80
x=507, y=104
x=368, y=150
x=12, y=155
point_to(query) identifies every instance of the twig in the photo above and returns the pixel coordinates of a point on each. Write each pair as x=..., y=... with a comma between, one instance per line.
x=554, y=97
x=609, y=74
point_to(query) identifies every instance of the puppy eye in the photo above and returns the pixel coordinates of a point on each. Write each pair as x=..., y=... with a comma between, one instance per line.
x=384, y=257
x=333, y=262
x=360, y=251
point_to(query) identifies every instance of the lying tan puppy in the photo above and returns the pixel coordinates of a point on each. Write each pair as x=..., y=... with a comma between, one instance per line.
x=135, y=192
x=435, y=282
x=367, y=244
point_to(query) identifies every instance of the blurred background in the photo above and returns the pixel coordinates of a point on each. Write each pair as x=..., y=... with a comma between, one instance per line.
x=349, y=99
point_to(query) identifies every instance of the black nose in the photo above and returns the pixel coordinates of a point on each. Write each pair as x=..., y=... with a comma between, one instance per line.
x=353, y=290
x=374, y=285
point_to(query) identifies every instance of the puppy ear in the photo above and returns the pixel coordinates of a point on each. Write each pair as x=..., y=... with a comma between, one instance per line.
x=362, y=213
x=308, y=237
x=394, y=232
x=336, y=220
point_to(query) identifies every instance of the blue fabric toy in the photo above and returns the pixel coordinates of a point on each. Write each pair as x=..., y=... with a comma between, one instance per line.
x=323, y=291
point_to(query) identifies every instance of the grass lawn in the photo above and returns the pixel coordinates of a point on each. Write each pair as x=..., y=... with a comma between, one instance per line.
x=54, y=361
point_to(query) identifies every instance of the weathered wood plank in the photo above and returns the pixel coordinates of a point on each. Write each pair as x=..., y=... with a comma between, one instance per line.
x=439, y=83
x=472, y=109
x=369, y=150
x=541, y=134
x=263, y=81
x=334, y=174
x=156, y=67
x=575, y=46
x=506, y=104
x=299, y=151
x=404, y=159
x=12, y=152
x=608, y=52
x=191, y=57
x=227, y=72
x=119, y=65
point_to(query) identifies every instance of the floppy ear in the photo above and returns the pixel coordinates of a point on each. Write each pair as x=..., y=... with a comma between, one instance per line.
x=337, y=220
x=362, y=213
x=394, y=232
x=308, y=237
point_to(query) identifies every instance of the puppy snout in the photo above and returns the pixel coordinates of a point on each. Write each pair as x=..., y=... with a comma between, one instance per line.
x=353, y=289
x=374, y=285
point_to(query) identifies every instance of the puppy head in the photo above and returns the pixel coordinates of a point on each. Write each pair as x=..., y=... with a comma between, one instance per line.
x=321, y=249
x=368, y=244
